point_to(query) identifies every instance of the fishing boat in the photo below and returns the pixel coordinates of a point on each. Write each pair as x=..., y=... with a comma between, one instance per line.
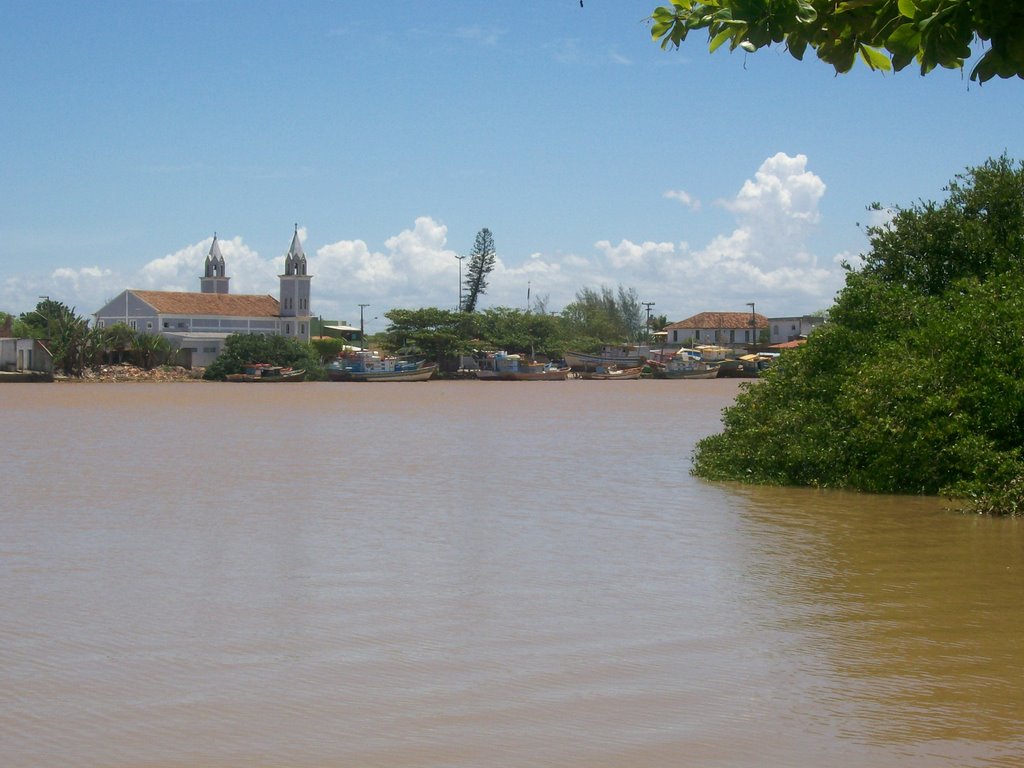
x=613, y=373
x=367, y=365
x=501, y=366
x=265, y=373
x=684, y=363
x=619, y=355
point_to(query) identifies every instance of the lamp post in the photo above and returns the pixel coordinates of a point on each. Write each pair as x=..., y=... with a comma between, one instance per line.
x=460, y=258
x=648, y=305
x=753, y=323
x=362, y=335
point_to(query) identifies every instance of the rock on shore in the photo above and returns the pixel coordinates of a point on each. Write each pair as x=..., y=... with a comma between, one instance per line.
x=130, y=373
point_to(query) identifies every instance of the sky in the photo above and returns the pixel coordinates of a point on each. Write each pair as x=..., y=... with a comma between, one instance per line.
x=390, y=134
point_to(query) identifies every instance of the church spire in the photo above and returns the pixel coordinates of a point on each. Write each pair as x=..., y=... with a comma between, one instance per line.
x=215, y=279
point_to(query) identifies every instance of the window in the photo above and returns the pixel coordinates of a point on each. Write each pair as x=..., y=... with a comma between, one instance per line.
x=101, y=323
x=210, y=350
x=732, y=336
x=167, y=324
x=302, y=328
x=133, y=324
x=776, y=330
x=149, y=325
x=696, y=334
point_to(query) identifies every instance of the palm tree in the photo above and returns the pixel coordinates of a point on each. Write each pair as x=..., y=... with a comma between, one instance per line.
x=118, y=338
x=151, y=349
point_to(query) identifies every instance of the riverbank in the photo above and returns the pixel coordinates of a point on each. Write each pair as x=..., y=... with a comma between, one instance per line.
x=132, y=373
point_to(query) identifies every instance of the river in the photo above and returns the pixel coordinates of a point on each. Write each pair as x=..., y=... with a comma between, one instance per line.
x=475, y=574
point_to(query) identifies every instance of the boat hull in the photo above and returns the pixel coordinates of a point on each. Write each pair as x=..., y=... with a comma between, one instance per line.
x=582, y=361
x=622, y=374
x=556, y=374
x=423, y=373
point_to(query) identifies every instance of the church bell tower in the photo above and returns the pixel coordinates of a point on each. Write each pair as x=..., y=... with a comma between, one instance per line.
x=215, y=280
x=295, y=312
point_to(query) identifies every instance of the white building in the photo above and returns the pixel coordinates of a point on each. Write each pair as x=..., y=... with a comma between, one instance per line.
x=198, y=323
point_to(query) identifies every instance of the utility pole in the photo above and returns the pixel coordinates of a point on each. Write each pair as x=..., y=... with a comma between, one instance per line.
x=648, y=305
x=362, y=335
x=460, y=258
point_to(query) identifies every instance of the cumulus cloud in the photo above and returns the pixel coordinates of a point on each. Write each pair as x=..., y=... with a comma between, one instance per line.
x=763, y=257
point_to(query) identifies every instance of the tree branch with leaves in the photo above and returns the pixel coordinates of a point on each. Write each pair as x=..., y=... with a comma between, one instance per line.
x=886, y=35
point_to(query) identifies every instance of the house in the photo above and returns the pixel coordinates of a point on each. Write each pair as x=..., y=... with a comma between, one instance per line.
x=197, y=324
x=25, y=360
x=792, y=328
x=725, y=329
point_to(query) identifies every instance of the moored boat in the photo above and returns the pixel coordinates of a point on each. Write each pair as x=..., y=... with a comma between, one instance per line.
x=684, y=363
x=501, y=366
x=611, y=354
x=612, y=373
x=264, y=373
x=370, y=366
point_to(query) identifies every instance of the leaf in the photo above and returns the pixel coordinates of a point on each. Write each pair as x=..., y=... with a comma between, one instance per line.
x=718, y=39
x=875, y=58
x=907, y=8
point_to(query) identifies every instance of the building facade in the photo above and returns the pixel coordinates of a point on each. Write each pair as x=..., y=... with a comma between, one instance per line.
x=724, y=329
x=783, y=329
x=197, y=324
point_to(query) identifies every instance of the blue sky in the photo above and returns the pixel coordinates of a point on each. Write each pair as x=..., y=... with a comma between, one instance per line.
x=392, y=133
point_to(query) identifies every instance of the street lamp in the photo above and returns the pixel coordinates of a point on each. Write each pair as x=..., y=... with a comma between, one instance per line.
x=362, y=335
x=648, y=304
x=753, y=323
x=460, y=258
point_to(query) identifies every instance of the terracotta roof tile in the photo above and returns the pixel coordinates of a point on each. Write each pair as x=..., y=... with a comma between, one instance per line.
x=719, y=320
x=225, y=304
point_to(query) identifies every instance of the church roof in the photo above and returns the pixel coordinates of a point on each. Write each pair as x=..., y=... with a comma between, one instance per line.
x=719, y=320
x=226, y=304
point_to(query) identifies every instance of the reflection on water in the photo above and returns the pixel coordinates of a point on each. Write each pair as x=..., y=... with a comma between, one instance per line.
x=465, y=574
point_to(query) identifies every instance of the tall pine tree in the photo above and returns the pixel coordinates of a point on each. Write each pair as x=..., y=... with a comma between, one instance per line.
x=481, y=263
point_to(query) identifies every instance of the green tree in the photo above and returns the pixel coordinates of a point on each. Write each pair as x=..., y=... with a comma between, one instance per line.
x=328, y=348
x=916, y=383
x=603, y=316
x=117, y=339
x=150, y=350
x=74, y=345
x=242, y=349
x=885, y=34
x=439, y=334
x=481, y=264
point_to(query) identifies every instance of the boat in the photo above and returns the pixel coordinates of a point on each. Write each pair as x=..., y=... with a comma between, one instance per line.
x=501, y=366
x=265, y=373
x=684, y=363
x=612, y=372
x=367, y=365
x=611, y=354
x=744, y=367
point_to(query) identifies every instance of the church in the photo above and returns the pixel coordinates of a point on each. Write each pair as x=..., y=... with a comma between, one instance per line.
x=196, y=324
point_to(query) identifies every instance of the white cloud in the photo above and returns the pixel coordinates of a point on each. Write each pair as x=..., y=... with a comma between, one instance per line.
x=764, y=258
x=683, y=197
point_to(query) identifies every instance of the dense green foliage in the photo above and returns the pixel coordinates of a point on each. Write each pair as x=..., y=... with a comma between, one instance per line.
x=481, y=264
x=245, y=349
x=596, y=317
x=916, y=383
x=884, y=34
